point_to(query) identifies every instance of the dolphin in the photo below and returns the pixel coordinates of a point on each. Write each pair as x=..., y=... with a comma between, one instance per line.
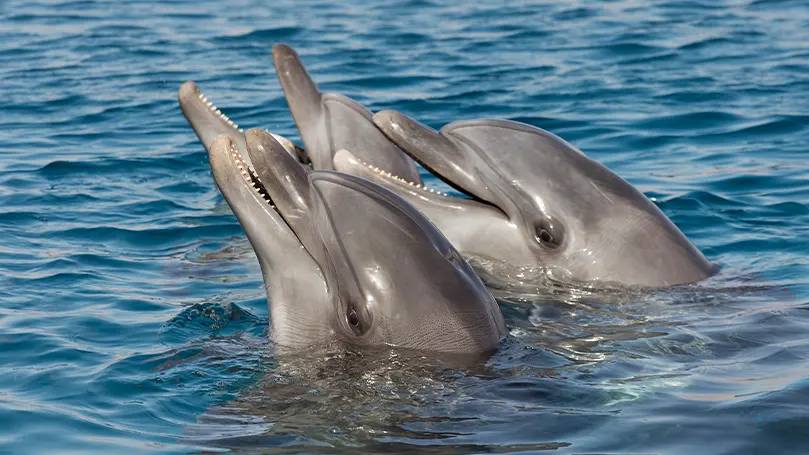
x=329, y=122
x=347, y=261
x=536, y=202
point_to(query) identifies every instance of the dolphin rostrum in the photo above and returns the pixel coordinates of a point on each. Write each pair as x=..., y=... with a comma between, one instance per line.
x=330, y=121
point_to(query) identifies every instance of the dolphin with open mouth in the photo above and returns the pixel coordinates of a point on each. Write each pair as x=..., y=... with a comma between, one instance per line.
x=537, y=201
x=328, y=122
x=347, y=261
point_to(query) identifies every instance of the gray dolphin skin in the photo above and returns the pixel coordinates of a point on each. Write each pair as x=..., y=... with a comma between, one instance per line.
x=347, y=261
x=329, y=122
x=538, y=202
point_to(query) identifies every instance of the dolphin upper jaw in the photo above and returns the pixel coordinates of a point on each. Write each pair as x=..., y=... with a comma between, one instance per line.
x=208, y=122
x=330, y=121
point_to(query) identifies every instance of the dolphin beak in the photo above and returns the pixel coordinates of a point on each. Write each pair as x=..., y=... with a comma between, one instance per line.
x=285, y=181
x=207, y=121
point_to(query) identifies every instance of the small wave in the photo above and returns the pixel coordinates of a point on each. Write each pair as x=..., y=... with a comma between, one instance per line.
x=147, y=238
x=261, y=36
x=691, y=121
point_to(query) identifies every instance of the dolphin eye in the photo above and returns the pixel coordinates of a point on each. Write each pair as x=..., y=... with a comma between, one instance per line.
x=546, y=235
x=353, y=320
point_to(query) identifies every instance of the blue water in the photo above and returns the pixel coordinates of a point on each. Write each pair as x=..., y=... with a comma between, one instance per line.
x=132, y=312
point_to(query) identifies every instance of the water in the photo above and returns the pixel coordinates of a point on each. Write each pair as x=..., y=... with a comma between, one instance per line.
x=132, y=314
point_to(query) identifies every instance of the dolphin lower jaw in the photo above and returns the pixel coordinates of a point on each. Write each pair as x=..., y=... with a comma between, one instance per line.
x=251, y=178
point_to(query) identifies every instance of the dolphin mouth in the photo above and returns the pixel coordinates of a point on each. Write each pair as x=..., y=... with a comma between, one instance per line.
x=301, y=153
x=347, y=162
x=251, y=178
x=351, y=159
x=194, y=100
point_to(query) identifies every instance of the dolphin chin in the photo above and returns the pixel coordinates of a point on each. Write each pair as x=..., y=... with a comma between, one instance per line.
x=347, y=261
x=551, y=206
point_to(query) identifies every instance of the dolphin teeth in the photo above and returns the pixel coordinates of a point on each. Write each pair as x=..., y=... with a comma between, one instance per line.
x=390, y=175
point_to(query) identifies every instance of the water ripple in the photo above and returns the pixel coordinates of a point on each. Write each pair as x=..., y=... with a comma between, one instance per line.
x=133, y=316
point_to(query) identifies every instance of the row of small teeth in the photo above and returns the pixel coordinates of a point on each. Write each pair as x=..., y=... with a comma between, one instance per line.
x=249, y=175
x=396, y=177
x=216, y=110
x=249, y=172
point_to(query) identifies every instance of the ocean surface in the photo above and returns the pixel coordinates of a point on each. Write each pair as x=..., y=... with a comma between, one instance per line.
x=132, y=312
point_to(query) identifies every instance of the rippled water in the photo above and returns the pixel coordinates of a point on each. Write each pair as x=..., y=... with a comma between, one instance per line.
x=132, y=313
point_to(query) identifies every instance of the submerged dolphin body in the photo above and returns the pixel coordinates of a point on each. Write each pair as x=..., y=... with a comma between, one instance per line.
x=539, y=201
x=345, y=260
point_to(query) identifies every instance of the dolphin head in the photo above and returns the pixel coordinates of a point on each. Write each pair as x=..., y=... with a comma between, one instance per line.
x=569, y=212
x=346, y=260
